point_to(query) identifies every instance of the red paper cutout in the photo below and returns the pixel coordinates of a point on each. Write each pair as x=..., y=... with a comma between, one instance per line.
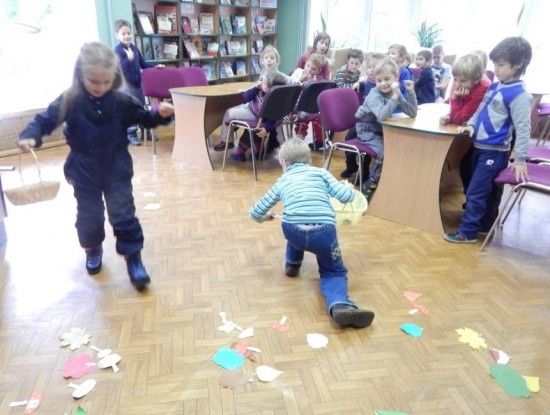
x=34, y=403
x=78, y=367
x=420, y=308
x=411, y=295
x=241, y=347
x=283, y=328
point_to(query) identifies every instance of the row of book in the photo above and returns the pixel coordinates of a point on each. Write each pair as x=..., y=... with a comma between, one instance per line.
x=234, y=24
x=243, y=3
x=203, y=25
x=157, y=48
x=228, y=69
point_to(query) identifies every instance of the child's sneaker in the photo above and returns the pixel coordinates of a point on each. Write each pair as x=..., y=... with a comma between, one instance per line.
x=292, y=270
x=221, y=146
x=348, y=316
x=93, y=259
x=458, y=238
x=350, y=171
x=368, y=189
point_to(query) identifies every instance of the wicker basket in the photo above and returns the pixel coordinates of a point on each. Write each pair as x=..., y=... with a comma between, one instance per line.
x=350, y=213
x=32, y=193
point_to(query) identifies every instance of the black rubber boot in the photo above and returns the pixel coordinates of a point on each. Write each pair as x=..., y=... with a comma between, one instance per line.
x=138, y=275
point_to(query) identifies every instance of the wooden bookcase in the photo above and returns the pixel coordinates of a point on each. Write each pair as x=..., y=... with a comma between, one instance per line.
x=224, y=37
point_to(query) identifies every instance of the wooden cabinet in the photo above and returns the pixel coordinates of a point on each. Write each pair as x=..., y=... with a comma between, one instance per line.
x=224, y=37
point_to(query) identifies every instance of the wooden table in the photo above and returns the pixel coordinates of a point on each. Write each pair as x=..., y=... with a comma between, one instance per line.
x=415, y=153
x=198, y=111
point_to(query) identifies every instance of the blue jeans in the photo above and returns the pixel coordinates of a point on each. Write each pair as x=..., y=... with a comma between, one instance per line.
x=322, y=241
x=483, y=195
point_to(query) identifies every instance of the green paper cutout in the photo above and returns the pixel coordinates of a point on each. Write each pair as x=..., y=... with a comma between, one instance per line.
x=511, y=381
x=412, y=329
x=80, y=411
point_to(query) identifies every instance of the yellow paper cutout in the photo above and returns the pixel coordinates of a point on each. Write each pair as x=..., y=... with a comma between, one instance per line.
x=532, y=383
x=472, y=338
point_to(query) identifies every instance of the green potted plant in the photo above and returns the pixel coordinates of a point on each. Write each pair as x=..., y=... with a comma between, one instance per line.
x=428, y=35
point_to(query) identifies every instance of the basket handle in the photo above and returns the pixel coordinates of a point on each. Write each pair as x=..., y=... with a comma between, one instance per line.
x=37, y=166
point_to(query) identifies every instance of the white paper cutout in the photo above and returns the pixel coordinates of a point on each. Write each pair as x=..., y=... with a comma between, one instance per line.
x=101, y=353
x=110, y=361
x=83, y=389
x=152, y=206
x=266, y=373
x=317, y=340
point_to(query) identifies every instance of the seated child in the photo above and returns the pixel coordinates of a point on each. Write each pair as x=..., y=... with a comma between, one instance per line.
x=321, y=45
x=424, y=86
x=442, y=73
x=308, y=224
x=400, y=55
x=381, y=102
x=349, y=74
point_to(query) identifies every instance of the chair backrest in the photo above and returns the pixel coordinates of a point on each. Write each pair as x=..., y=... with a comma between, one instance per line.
x=415, y=73
x=156, y=82
x=279, y=101
x=338, y=107
x=307, y=102
x=193, y=76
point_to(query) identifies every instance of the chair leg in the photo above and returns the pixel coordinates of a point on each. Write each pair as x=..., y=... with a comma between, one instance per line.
x=230, y=130
x=517, y=199
x=359, y=171
x=253, y=155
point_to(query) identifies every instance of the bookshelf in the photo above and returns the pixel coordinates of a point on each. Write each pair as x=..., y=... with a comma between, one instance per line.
x=224, y=37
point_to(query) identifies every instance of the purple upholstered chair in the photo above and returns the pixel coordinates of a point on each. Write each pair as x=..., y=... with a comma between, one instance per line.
x=193, y=76
x=338, y=107
x=539, y=181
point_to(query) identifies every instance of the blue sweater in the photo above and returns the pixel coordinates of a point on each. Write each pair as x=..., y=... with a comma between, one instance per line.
x=131, y=69
x=305, y=192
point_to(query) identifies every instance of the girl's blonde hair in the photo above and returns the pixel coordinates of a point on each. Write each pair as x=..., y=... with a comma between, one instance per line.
x=295, y=150
x=483, y=56
x=270, y=49
x=387, y=66
x=92, y=55
x=470, y=67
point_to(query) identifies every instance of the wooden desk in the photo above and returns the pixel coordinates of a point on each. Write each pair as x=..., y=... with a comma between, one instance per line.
x=415, y=152
x=198, y=111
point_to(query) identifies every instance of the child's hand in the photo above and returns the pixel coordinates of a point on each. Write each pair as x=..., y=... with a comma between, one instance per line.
x=258, y=84
x=160, y=66
x=409, y=85
x=521, y=172
x=270, y=215
x=129, y=53
x=461, y=92
x=446, y=119
x=261, y=132
x=467, y=129
x=355, y=86
x=165, y=109
x=26, y=144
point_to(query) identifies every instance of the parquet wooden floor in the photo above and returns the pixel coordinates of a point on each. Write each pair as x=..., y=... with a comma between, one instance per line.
x=205, y=257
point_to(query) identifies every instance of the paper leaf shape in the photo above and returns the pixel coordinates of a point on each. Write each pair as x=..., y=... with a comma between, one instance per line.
x=500, y=357
x=411, y=295
x=232, y=379
x=33, y=403
x=83, y=389
x=80, y=411
x=248, y=332
x=228, y=358
x=472, y=338
x=421, y=308
x=281, y=325
x=412, y=329
x=78, y=367
x=532, y=383
x=241, y=347
x=317, y=340
x=389, y=413
x=110, y=361
x=152, y=206
x=266, y=373
x=75, y=338
x=511, y=381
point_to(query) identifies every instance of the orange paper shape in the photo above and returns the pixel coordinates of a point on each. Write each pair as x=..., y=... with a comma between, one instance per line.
x=283, y=328
x=33, y=403
x=241, y=347
x=411, y=295
x=78, y=366
x=421, y=308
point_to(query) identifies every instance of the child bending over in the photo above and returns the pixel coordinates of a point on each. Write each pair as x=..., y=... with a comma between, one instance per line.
x=308, y=224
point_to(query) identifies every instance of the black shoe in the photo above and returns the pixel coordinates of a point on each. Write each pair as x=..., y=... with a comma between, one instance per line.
x=93, y=260
x=348, y=316
x=221, y=146
x=138, y=275
x=292, y=270
x=134, y=140
x=368, y=189
x=350, y=171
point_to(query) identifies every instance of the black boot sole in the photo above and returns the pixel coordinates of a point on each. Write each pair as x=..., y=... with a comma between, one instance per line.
x=353, y=317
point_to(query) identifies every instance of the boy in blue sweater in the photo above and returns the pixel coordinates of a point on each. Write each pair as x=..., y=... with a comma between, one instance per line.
x=131, y=63
x=504, y=112
x=308, y=224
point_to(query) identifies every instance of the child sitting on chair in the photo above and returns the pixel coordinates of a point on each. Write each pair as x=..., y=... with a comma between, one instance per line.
x=308, y=224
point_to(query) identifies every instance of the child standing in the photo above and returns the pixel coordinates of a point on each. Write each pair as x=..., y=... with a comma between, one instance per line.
x=131, y=63
x=321, y=44
x=308, y=224
x=381, y=102
x=349, y=74
x=424, y=86
x=442, y=72
x=506, y=108
x=96, y=116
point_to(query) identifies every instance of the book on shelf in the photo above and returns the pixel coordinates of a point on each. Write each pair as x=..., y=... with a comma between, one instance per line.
x=241, y=3
x=268, y=3
x=186, y=25
x=198, y=41
x=206, y=1
x=147, y=48
x=190, y=48
x=209, y=70
x=238, y=23
x=228, y=69
x=226, y=27
x=240, y=68
x=195, y=28
x=270, y=26
x=206, y=23
x=158, y=48
x=258, y=46
x=137, y=23
x=225, y=2
x=255, y=65
x=146, y=22
x=259, y=23
x=166, y=18
x=212, y=48
x=170, y=50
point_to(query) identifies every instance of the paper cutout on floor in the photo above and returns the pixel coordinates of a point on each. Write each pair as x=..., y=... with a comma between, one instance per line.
x=75, y=338
x=532, y=383
x=413, y=311
x=412, y=329
x=78, y=367
x=83, y=389
x=152, y=206
x=317, y=340
x=421, y=308
x=500, y=357
x=227, y=326
x=254, y=349
x=241, y=347
x=228, y=358
x=411, y=295
x=281, y=325
x=17, y=403
x=474, y=339
x=378, y=412
x=266, y=373
x=110, y=361
x=80, y=411
x=511, y=381
x=33, y=403
x=248, y=332
x=101, y=353
x=233, y=378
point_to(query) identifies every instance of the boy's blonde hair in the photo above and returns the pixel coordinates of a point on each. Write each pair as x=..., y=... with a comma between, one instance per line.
x=120, y=23
x=316, y=60
x=401, y=51
x=295, y=150
x=387, y=66
x=271, y=49
x=470, y=67
x=371, y=59
x=483, y=56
